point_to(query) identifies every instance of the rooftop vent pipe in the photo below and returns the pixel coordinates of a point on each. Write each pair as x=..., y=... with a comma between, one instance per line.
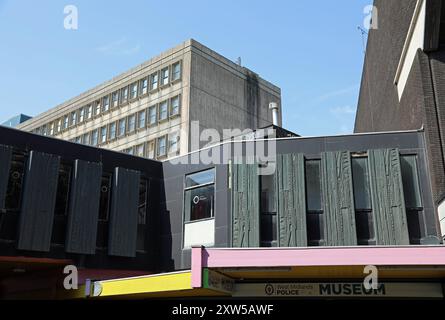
x=274, y=107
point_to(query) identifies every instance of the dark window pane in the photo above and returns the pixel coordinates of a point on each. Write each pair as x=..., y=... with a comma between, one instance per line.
x=59, y=230
x=199, y=178
x=102, y=234
x=63, y=187
x=61, y=209
x=8, y=225
x=141, y=238
x=268, y=193
x=142, y=202
x=15, y=183
x=268, y=227
x=365, y=227
x=360, y=177
x=410, y=178
x=315, y=231
x=105, y=191
x=313, y=186
x=199, y=203
x=269, y=244
x=104, y=208
x=416, y=224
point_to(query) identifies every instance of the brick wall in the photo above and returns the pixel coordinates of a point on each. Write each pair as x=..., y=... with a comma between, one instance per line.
x=423, y=101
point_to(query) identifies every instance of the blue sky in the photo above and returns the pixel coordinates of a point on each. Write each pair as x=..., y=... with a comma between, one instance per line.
x=311, y=49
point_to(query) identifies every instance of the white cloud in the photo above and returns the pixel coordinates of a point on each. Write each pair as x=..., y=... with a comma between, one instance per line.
x=345, y=110
x=336, y=93
x=119, y=47
x=132, y=50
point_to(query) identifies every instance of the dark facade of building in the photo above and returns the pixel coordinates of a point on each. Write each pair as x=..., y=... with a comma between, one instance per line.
x=370, y=189
x=103, y=210
x=403, y=79
x=61, y=200
x=363, y=198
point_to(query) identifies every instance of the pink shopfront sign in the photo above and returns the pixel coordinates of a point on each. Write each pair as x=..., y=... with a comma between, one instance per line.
x=321, y=256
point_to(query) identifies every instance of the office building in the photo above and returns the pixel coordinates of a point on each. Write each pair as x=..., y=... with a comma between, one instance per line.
x=147, y=111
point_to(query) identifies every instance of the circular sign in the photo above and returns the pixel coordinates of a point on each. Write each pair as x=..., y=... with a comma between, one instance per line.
x=269, y=289
x=195, y=199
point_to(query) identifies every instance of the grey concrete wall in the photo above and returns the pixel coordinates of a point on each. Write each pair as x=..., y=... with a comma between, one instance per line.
x=224, y=95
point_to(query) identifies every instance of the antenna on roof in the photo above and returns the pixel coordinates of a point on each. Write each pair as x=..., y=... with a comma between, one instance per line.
x=363, y=32
x=238, y=61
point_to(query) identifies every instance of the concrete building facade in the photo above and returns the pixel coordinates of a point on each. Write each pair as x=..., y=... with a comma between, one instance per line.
x=148, y=110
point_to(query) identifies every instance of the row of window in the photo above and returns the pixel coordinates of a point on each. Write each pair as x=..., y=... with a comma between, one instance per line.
x=156, y=148
x=120, y=97
x=362, y=201
x=199, y=202
x=137, y=121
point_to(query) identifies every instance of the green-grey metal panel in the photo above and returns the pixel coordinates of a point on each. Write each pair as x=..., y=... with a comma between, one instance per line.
x=39, y=199
x=338, y=199
x=5, y=166
x=83, y=208
x=388, y=202
x=245, y=205
x=123, y=226
x=291, y=200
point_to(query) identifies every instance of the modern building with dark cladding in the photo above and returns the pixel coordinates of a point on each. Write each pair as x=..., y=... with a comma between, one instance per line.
x=65, y=203
x=359, y=172
x=403, y=80
x=63, y=200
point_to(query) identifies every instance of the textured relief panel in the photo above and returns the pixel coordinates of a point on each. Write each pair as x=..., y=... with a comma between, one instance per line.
x=124, y=213
x=388, y=202
x=291, y=200
x=245, y=205
x=5, y=165
x=39, y=199
x=338, y=199
x=83, y=208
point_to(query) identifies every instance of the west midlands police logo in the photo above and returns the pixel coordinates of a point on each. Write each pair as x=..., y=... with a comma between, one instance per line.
x=269, y=289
